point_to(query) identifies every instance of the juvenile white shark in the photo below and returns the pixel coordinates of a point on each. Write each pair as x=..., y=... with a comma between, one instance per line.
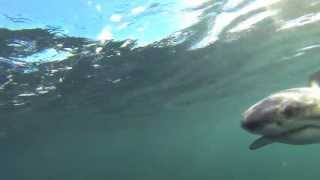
x=290, y=116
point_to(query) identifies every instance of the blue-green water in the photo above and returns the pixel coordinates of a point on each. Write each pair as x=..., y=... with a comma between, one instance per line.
x=77, y=108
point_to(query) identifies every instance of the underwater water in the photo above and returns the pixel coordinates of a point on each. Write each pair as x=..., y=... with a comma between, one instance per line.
x=157, y=93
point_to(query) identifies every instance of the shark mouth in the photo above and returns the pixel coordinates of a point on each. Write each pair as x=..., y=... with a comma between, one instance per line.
x=307, y=134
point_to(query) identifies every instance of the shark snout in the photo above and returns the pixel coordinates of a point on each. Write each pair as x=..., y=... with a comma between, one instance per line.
x=254, y=121
x=250, y=125
x=257, y=119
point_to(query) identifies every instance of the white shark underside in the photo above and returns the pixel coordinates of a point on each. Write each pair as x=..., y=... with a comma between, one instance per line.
x=303, y=136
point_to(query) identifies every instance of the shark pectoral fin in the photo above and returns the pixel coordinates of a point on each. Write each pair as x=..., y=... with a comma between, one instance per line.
x=260, y=142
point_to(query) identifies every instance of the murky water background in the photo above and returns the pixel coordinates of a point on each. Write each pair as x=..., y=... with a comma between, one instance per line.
x=77, y=108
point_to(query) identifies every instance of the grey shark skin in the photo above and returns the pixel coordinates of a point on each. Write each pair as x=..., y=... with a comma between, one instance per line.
x=290, y=116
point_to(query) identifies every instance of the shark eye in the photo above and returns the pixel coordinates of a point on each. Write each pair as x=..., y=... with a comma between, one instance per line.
x=291, y=111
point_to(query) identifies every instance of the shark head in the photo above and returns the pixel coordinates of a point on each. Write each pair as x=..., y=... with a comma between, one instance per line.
x=283, y=115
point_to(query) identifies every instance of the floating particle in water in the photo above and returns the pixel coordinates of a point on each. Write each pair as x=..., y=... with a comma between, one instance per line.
x=3, y=134
x=284, y=164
